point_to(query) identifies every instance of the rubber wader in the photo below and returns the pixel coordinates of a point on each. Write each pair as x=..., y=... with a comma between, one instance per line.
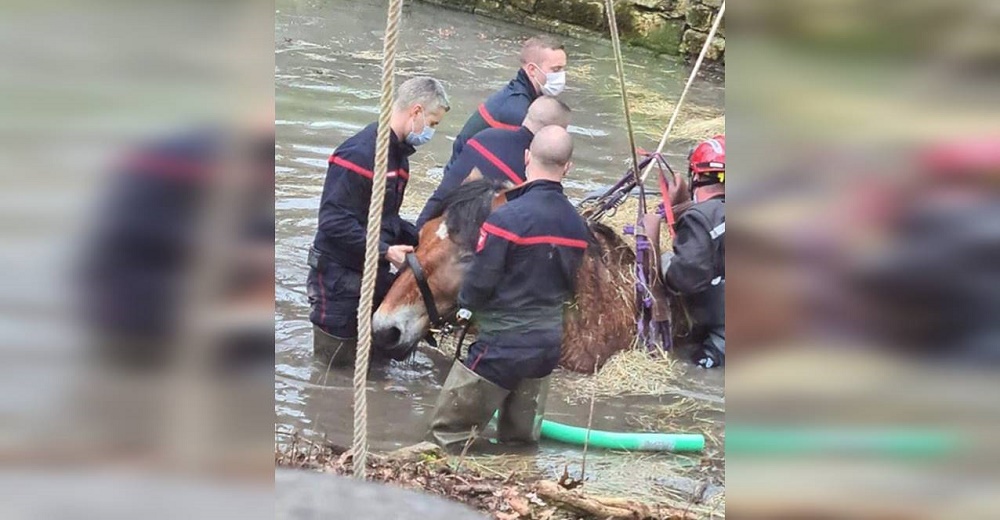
x=522, y=411
x=334, y=351
x=466, y=401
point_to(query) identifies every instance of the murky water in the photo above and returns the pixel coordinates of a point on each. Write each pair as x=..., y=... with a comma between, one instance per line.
x=326, y=88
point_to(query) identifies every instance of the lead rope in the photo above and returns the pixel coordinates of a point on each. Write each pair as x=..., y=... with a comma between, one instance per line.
x=359, y=448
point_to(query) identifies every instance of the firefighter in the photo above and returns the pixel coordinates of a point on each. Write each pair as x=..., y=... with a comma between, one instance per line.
x=543, y=71
x=337, y=257
x=497, y=153
x=521, y=280
x=696, y=268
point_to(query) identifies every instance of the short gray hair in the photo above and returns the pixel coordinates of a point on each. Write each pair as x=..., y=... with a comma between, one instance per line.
x=423, y=90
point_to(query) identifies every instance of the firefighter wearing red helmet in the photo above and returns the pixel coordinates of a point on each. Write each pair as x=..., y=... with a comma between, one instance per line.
x=696, y=268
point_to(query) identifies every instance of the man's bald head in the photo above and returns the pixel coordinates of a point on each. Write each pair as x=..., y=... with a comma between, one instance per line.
x=546, y=111
x=550, y=154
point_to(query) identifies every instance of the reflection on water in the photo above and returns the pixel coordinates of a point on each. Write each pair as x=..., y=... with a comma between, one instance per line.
x=326, y=88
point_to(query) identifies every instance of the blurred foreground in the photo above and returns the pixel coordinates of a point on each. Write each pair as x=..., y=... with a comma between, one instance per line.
x=863, y=259
x=137, y=268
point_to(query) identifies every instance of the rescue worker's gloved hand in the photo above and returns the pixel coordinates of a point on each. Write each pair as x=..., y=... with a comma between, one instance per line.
x=678, y=191
x=708, y=357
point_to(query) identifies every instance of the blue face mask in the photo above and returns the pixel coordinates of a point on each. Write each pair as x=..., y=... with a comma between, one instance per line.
x=423, y=137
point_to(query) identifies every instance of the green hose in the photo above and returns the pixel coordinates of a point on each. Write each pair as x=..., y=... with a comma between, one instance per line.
x=675, y=442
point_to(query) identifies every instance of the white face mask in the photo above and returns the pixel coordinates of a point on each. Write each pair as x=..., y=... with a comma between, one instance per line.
x=555, y=82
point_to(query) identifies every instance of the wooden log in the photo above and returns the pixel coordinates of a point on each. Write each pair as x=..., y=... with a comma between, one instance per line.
x=612, y=508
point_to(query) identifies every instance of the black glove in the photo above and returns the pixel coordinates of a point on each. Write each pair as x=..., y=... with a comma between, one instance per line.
x=708, y=357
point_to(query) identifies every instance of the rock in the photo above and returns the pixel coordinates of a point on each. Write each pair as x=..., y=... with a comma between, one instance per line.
x=700, y=18
x=650, y=4
x=648, y=29
x=714, y=4
x=416, y=452
x=524, y=5
x=306, y=495
x=693, y=40
x=674, y=9
x=587, y=13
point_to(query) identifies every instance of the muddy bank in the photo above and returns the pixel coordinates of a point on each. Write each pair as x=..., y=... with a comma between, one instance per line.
x=676, y=27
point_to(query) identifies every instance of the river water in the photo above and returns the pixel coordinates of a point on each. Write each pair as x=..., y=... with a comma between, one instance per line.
x=327, y=69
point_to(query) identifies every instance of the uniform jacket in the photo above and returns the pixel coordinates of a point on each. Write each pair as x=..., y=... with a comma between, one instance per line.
x=505, y=109
x=524, y=271
x=698, y=268
x=497, y=153
x=343, y=212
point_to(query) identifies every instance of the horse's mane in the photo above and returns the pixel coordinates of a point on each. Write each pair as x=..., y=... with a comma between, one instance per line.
x=466, y=208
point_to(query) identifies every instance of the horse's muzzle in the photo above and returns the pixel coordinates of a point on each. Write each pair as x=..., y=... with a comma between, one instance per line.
x=386, y=343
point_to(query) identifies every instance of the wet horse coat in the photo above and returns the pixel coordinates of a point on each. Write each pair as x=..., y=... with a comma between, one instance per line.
x=595, y=327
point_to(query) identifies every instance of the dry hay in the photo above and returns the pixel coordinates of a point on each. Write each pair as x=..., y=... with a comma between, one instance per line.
x=651, y=110
x=603, y=318
x=630, y=372
x=625, y=215
x=699, y=129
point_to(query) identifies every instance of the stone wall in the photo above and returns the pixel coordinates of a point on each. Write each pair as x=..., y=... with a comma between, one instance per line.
x=665, y=26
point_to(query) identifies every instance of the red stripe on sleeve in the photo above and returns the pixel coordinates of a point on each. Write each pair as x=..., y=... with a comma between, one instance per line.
x=531, y=241
x=344, y=163
x=493, y=122
x=495, y=161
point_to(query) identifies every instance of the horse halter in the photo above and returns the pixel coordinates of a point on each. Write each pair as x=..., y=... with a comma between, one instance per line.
x=436, y=320
x=425, y=289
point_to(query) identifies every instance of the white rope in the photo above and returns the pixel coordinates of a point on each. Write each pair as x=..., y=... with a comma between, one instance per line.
x=694, y=72
x=359, y=448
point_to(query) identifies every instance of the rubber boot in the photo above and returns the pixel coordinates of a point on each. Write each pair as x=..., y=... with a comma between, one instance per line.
x=522, y=411
x=334, y=351
x=467, y=401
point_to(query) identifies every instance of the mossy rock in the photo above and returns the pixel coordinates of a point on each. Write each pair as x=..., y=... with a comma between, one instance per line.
x=700, y=17
x=693, y=41
x=586, y=13
x=665, y=38
x=714, y=4
x=649, y=29
x=527, y=6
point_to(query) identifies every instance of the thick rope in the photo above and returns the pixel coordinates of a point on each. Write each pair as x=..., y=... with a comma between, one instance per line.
x=359, y=448
x=620, y=67
x=694, y=72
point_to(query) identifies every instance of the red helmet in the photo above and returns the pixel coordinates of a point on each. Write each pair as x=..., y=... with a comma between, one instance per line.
x=966, y=158
x=709, y=156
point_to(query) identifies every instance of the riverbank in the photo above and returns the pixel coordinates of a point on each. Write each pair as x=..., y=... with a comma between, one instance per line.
x=503, y=494
x=674, y=27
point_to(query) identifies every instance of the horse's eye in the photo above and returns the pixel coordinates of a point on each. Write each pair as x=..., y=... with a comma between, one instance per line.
x=465, y=258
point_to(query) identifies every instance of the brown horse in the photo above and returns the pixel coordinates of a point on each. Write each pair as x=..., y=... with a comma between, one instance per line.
x=601, y=322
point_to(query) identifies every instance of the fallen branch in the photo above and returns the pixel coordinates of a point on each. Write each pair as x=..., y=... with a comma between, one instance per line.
x=610, y=508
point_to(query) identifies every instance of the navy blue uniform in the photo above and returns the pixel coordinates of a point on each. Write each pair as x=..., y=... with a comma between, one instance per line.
x=504, y=109
x=497, y=153
x=522, y=278
x=334, y=283
x=697, y=269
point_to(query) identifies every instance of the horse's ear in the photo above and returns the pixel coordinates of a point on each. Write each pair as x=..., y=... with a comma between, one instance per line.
x=474, y=175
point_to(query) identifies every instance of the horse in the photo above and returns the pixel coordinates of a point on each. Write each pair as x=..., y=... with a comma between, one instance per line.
x=599, y=323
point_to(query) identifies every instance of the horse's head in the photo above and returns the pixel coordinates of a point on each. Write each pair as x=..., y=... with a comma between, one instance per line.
x=447, y=245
